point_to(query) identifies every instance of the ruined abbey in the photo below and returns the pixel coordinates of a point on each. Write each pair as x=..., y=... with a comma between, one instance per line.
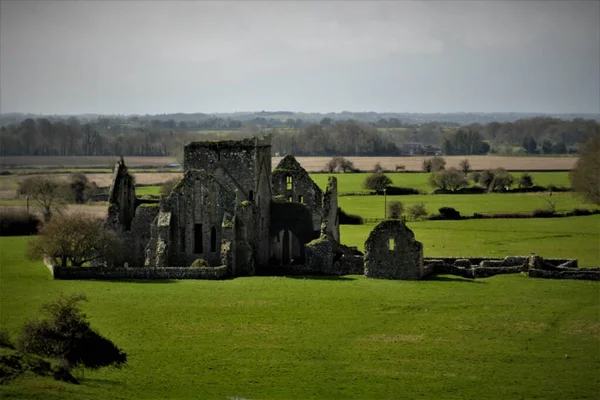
x=231, y=215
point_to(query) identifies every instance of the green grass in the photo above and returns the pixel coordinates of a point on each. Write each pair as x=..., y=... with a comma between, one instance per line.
x=353, y=183
x=147, y=190
x=571, y=237
x=353, y=338
x=467, y=204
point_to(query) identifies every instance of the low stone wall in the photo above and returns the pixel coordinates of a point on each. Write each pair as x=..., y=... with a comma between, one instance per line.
x=104, y=273
x=592, y=274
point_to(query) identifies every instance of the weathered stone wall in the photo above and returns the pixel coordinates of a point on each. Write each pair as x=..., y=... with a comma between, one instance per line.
x=140, y=233
x=294, y=184
x=121, y=199
x=404, y=260
x=219, y=272
x=331, y=222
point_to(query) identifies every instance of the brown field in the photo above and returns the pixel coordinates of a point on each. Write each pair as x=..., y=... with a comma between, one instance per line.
x=311, y=164
x=97, y=209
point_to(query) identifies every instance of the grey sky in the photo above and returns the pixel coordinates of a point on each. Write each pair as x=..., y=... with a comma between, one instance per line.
x=163, y=57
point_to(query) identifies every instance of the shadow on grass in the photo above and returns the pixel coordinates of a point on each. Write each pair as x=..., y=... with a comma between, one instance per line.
x=450, y=278
x=94, y=382
x=322, y=277
x=145, y=281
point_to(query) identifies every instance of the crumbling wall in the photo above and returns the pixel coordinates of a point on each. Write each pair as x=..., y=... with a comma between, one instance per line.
x=331, y=222
x=392, y=252
x=121, y=199
x=140, y=234
x=119, y=273
x=292, y=183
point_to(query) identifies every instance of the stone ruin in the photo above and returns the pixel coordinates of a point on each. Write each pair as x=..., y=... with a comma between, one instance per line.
x=230, y=215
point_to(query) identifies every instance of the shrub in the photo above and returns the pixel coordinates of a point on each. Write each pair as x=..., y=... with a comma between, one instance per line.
x=199, y=263
x=340, y=164
x=485, y=178
x=377, y=182
x=434, y=164
x=525, y=181
x=66, y=335
x=400, y=168
x=543, y=213
x=417, y=211
x=18, y=223
x=581, y=212
x=395, y=209
x=449, y=213
x=474, y=176
x=81, y=188
x=5, y=339
x=378, y=168
x=400, y=191
x=349, y=219
x=451, y=179
x=502, y=181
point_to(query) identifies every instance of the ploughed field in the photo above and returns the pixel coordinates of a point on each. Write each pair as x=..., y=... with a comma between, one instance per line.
x=323, y=338
x=311, y=164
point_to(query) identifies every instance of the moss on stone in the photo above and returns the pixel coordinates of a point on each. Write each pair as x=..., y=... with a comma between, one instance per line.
x=144, y=205
x=245, y=203
x=199, y=263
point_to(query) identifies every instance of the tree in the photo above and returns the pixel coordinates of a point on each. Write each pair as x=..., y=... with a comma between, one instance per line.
x=502, y=180
x=395, y=209
x=434, y=164
x=584, y=177
x=377, y=182
x=451, y=179
x=81, y=188
x=378, y=168
x=49, y=194
x=66, y=335
x=465, y=167
x=74, y=240
x=485, y=178
x=530, y=145
x=525, y=181
x=417, y=211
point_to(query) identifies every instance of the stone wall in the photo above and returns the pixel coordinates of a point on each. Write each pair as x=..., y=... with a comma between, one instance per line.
x=391, y=252
x=121, y=199
x=118, y=273
x=331, y=221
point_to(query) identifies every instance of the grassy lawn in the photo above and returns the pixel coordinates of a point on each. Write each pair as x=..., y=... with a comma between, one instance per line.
x=571, y=237
x=352, y=183
x=467, y=204
x=352, y=338
x=147, y=190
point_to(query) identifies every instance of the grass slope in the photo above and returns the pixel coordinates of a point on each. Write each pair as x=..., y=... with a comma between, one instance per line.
x=352, y=338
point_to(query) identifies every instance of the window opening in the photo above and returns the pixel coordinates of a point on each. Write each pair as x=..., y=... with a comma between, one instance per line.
x=289, y=182
x=301, y=199
x=251, y=195
x=198, y=239
x=391, y=244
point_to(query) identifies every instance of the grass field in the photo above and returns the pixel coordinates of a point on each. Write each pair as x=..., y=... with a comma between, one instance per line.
x=466, y=204
x=503, y=337
x=353, y=183
x=571, y=237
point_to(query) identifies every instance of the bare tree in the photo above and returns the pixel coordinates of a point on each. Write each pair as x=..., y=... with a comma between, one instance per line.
x=584, y=177
x=74, y=240
x=49, y=194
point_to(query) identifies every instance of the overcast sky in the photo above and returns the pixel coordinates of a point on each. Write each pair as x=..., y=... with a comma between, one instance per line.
x=161, y=57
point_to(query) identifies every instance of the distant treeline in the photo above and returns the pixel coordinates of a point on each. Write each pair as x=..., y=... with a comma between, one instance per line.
x=136, y=136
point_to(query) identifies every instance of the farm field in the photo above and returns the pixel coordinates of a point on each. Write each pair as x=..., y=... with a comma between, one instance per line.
x=466, y=204
x=354, y=338
x=311, y=164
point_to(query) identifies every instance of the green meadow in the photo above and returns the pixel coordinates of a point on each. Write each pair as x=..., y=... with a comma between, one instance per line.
x=505, y=337
x=353, y=183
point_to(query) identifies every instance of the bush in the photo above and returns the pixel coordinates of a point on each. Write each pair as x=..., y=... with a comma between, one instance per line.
x=340, y=164
x=584, y=177
x=452, y=179
x=400, y=168
x=581, y=211
x=434, y=164
x=378, y=168
x=81, y=188
x=474, y=176
x=543, y=213
x=400, y=191
x=416, y=211
x=349, y=219
x=18, y=223
x=449, y=213
x=377, y=182
x=525, y=181
x=5, y=339
x=485, y=178
x=66, y=335
x=199, y=263
x=395, y=209
x=465, y=167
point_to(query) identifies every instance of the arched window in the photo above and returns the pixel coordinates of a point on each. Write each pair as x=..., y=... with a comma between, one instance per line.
x=251, y=195
x=289, y=182
x=198, y=239
x=213, y=239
